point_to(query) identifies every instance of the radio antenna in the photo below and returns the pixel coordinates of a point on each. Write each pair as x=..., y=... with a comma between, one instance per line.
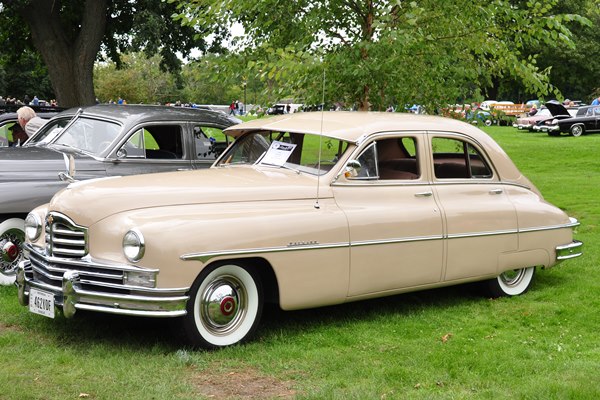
x=317, y=205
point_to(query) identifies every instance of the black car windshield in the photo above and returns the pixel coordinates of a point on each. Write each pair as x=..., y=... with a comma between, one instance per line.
x=296, y=151
x=91, y=136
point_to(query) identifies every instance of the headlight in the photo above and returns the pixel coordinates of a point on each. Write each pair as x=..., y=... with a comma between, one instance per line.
x=133, y=245
x=33, y=227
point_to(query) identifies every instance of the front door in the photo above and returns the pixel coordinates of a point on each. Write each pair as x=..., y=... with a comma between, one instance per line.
x=394, y=222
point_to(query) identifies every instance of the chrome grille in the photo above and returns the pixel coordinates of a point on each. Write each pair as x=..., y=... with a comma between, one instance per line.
x=64, y=238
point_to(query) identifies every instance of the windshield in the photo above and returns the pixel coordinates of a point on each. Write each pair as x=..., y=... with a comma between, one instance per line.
x=89, y=135
x=297, y=151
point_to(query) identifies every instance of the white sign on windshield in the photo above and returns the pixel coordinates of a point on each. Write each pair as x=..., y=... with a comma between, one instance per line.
x=278, y=153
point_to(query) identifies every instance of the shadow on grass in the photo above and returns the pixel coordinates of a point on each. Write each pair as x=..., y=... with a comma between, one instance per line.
x=88, y=329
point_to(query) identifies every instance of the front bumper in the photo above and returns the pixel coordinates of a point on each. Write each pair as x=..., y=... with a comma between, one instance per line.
x=75, y=288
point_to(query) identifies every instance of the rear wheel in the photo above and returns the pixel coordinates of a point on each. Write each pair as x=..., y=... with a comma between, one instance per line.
x=577, y=130
x=224, y=308
x=12, y=237
x=510, y=283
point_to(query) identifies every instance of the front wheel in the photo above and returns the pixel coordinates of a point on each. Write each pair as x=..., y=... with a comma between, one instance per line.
x=224, y=308
x=510, y=283
x=12, y=237
x=577, y=130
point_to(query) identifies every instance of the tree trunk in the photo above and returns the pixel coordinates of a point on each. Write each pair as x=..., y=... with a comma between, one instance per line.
x=367, y=28
x=70, y=60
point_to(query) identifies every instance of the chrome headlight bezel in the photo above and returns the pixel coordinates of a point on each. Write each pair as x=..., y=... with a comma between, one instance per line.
x=33, y=227
x=134, y=245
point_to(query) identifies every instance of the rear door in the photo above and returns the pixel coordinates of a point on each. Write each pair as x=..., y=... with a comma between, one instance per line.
x=480, y=222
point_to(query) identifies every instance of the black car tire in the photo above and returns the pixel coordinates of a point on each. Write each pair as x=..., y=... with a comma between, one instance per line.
x=577, y=130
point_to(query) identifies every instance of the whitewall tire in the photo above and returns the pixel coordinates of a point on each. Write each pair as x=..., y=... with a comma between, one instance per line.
x=224, y=308
x=510, y=283
x=12, y=237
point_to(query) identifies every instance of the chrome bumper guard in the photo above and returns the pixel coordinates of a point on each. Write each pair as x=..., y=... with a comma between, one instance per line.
x=568, y=251
x=71, y=296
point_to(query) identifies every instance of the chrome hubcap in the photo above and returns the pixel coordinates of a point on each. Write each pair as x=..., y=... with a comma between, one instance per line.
x=223, y=305
x=11, y=242
x=513, y=277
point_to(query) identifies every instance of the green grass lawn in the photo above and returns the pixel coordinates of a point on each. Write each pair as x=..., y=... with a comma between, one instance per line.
x=438, y=344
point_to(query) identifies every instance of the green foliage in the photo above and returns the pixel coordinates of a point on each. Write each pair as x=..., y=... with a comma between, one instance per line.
x=388, y=52
x=139, y=80
x=23, y=75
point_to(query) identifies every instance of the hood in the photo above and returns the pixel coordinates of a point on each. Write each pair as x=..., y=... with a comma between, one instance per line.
x=34, y=163
x=557, y=109
x=90, y=201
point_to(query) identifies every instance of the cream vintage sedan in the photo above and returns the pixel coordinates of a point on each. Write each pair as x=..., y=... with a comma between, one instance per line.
x=304, y=210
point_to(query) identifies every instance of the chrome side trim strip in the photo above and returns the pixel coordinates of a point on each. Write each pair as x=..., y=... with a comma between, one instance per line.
x=399, y=240
x=478, y=234
x=572, y=224
x=204, y=257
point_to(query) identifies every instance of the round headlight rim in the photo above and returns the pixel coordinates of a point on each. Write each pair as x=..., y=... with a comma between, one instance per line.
x=27, y=226
x=140, y=244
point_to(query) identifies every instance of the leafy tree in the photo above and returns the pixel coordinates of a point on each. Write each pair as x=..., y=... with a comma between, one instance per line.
x=69, y=34
x=26, y=77
x=377, y=52
x=139, y=80
x=209, y=81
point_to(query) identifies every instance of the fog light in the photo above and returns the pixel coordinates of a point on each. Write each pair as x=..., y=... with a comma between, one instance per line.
x=133, y=245
x=140, y=278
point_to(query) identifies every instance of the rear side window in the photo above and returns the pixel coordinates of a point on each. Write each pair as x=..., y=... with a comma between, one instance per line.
x=457, y=159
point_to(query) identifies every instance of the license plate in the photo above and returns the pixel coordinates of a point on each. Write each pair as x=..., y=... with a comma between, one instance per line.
x=41, y=302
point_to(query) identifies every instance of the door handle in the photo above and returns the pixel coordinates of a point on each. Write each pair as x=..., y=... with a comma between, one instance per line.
x=423, y=194
x=496, y=191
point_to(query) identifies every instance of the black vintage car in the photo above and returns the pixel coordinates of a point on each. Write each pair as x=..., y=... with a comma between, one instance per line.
x=95, y=142
x=587, y=120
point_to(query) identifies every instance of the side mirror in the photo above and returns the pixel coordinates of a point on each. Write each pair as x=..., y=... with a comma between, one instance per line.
x=352, y=169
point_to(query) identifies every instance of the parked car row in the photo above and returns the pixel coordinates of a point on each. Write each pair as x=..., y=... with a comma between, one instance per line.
x=556, y=119
x=301, y=210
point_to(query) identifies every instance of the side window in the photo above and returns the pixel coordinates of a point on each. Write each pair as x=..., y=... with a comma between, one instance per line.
x=397, y=158
x=156, y=142
x=457, y=159
x=210, y=142
x=389, y=159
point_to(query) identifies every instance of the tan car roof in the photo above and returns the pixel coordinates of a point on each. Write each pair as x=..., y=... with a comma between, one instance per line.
x=352, y=126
